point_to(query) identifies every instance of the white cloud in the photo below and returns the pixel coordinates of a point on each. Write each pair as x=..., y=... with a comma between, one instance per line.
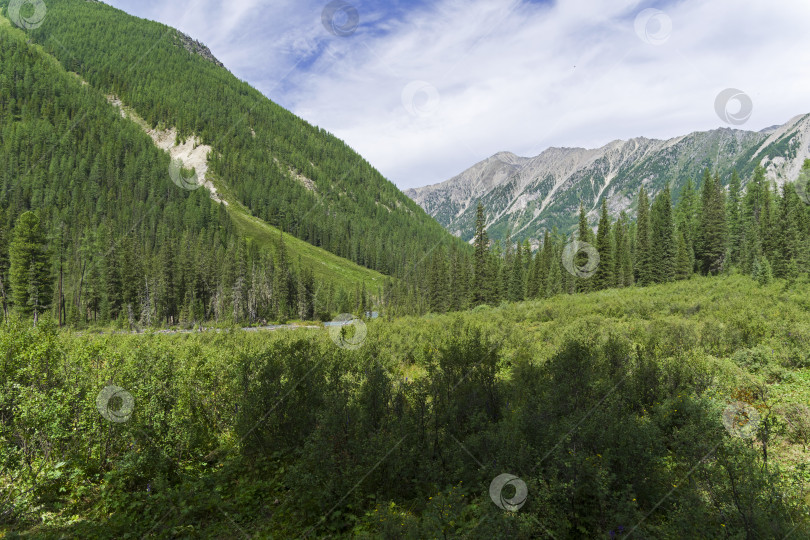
x=510, y=76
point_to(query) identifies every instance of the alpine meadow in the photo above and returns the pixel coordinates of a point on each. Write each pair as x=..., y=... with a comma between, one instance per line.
x=246, y=292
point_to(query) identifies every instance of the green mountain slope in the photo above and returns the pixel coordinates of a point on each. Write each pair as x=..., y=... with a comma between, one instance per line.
x=125, y=242
x=286, y=172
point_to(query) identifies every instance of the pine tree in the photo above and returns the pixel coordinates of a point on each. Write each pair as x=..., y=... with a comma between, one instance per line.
x=604, y=277
x=643, y=258
x=662, y=238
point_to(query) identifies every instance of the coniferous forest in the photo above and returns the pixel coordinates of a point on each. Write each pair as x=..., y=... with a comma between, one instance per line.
x=644, y=375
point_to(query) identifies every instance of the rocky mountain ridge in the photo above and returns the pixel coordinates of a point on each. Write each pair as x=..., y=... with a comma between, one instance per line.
x=526, y=195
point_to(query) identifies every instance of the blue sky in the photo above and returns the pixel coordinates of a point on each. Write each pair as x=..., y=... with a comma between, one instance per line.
x=423, y=90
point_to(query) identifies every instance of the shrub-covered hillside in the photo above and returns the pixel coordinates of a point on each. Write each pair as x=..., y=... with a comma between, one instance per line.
x=674, y=411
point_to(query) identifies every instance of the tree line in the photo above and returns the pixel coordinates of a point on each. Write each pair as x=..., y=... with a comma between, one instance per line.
x=762, y=230
x=92, y=230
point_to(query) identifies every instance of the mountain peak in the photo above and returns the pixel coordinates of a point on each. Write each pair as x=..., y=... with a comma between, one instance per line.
x=526, y=195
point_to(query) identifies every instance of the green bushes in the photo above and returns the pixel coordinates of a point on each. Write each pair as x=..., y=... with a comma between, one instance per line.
x=612, y=423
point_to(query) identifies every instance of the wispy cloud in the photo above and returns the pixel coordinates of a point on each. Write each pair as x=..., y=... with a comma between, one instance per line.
x=424, y=90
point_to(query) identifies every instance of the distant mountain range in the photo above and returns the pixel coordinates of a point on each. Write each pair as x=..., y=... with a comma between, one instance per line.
x=525, y=195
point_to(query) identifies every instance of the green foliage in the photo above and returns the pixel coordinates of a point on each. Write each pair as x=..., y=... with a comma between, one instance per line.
x=260, y=151
x=762, y=271
x=609, y=406
x=710, y=244
x=29, y=274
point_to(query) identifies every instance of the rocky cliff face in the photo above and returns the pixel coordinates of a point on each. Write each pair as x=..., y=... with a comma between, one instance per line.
x=195, y=47
x=527, y=195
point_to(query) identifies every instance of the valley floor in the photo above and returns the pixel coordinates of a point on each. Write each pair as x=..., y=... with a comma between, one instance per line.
x=673, y=411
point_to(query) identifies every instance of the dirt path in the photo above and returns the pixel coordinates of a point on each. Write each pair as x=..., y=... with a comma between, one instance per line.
x=268, y=328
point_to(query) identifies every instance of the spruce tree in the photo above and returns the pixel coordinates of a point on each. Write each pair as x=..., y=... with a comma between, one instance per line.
x=627, y=250
x=786, y=233
x=643, y=260
x=683, y=264
x=604, y=276
x=532, y=281
x=662, y=238
x=712, y=234
x=29, y=272
x=546, y=259
x=735, y=224
x=767, y=223
x=554, y=281
x=585, y=234
x=517, y=292
x=481, y=264
x=686, y=214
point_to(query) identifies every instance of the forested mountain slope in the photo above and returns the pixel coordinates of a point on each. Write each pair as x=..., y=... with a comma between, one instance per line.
x=88, y=210
x=527, y=195
x=286, y=172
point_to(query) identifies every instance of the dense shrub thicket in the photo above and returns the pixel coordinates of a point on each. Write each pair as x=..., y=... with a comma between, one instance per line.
x=609, y=406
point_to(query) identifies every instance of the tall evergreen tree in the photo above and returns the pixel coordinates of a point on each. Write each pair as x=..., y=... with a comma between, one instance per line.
x=481, y=264
x=29, y=273
x=584, y=234
x=686, y=214
x=662, y=238
x=683, y=263
x=604, y=277
x=735, y=224
x=622, y=263
x=643, y=266
x=554, y=281
x=786, y=234
x=710, y=249
x=517, y=289
x=546, y=259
